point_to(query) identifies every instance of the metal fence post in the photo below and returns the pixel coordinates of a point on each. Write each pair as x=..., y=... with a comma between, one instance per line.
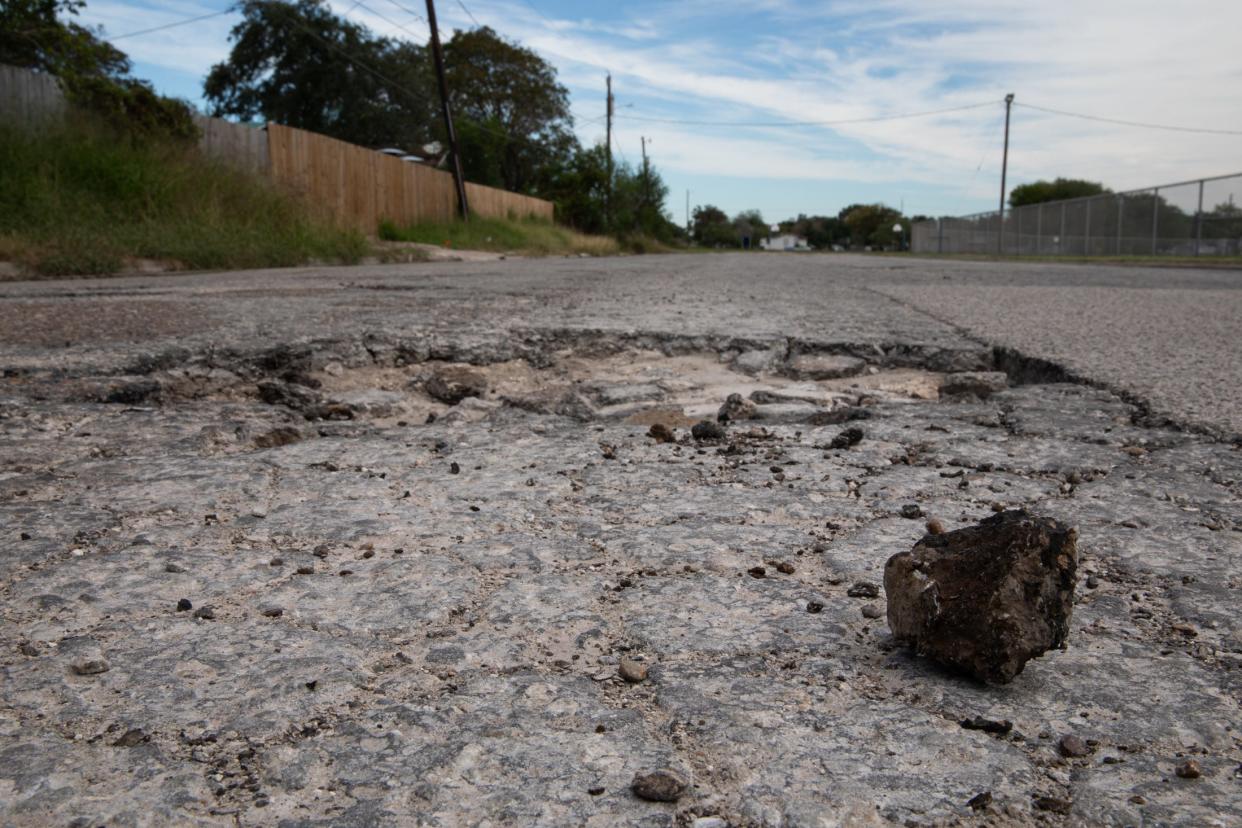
x=1039, y=228
x=1086, y=232
x=1155, y=217
x=1017, y=232
x=940, y=235
x=1199, y=220
x=1121, y=202
x=1061, y=245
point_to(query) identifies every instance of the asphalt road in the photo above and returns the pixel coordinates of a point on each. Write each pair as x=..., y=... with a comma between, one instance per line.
x=1171, y=337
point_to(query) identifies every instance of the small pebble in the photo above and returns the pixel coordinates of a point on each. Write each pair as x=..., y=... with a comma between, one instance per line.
x=1053, y=804
x=659, y=786
x=173, y=568
x=596, y=791
x=1092, y=582
x=1072, y=747
x=757, y=572
x=911, y=511
x=632, y=671
x=814, y=607
x=1189, y=769
x=184, y=605
x=872, y=611
x=306, y=570
x=454, y=468
x=90, y=666
x=131, y=737
x=707, y=430
x=272, y=612
x=205, y=613
x=661, y=433
x=785, y=568
x=980, y=801
x=276, y=562
x=935, y=527
x=863, y=589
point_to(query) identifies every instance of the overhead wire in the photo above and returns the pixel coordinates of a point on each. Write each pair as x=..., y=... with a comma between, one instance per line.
x=411, y=93
x=837, y=122
x=473, y=19
x=232, y=7
x=1169, y=127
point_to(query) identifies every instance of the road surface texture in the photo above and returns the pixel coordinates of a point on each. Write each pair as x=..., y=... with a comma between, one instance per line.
x=369, y=546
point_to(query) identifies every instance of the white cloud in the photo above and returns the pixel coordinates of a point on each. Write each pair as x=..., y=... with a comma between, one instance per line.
x=699, y=60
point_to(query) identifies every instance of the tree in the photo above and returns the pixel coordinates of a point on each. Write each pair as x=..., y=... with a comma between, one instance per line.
x=512, y=115
x=37, y=34
x=749, y=224
x=871, y=224
x=1058, y=189
x=580, y=189
x=298, y=64
x=712, y=227
x=820, y=232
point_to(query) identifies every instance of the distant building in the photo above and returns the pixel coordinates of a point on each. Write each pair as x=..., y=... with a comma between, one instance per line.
x=785, y=241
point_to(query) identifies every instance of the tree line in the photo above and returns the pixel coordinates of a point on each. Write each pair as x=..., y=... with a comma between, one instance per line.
x=856, y=227
x=298, y=63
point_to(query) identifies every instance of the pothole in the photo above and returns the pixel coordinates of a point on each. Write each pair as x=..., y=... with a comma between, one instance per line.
x=637, y=381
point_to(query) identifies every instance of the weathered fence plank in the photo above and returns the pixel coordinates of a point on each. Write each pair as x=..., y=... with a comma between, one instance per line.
x=362, y=187
x=241, y=145
x=29, y=97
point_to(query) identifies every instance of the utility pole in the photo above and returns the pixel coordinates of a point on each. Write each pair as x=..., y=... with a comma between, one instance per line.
x=608, y=146
x=459, y=177
x=1000, y=227
x=643, y=138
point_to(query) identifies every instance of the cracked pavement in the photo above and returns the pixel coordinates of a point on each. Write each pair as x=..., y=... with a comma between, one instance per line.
x=409, y=612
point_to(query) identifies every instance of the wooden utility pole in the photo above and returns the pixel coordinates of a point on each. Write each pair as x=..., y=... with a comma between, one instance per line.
x=459, y=177
x=1000, y=227
x=608, y=148
x=646, y=194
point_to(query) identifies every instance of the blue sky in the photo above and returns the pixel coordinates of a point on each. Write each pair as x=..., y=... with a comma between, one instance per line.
x=772, y=62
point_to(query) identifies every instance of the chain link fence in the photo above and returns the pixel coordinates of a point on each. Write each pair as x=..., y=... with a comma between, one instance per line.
x=1193, y=218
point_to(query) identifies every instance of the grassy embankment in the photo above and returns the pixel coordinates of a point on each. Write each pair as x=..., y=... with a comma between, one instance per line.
x=524, y=237
x=78, y=199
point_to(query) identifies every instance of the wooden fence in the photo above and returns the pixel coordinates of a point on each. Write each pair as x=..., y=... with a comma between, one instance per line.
x=357, y=186
x=29, y=97
x=241, y=145
x=362, y=187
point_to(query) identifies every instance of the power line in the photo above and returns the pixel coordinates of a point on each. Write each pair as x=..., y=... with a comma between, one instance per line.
x=293, y=18
x=1131, y=123
x=388, y=20
x=467, y=11
x=407, y=10
x=174, y=24
x=813, y=123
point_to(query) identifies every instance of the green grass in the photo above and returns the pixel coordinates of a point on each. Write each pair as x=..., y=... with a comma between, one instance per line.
x=532, y=237
x=82, y=200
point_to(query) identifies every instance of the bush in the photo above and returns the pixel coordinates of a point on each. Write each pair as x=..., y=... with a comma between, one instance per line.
x=131, y=107
x=83, y=198
x=528, y=235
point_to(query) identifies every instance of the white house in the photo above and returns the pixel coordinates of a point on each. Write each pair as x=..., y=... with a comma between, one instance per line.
x=785, y=241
